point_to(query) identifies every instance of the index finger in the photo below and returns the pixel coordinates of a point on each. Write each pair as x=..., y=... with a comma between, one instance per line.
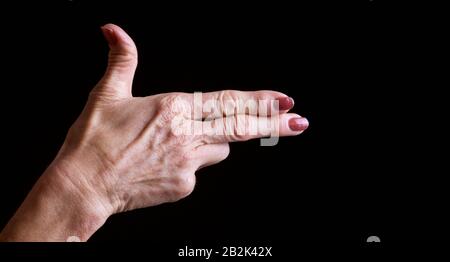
x=233, y=102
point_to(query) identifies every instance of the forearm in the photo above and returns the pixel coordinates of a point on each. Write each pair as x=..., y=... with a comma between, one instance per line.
x=54, y=210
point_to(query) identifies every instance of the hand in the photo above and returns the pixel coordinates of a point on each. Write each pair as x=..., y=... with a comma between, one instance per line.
x=126, y=152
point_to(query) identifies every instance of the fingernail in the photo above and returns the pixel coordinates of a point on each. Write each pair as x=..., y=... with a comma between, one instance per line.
x=109, y=35
x=285, y=103
x=298, y=124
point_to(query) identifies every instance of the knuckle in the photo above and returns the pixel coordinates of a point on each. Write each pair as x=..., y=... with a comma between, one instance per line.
x=183, y=185
x=172, y=105
x=227, y=95
x=227, y=102
x=177, y=100
x=128, y=57
x=180, y=137
x=235, y=127
x=185, y=156
x=100, y=94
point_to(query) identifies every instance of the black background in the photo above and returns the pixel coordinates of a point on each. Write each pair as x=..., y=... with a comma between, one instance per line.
x=356, y=70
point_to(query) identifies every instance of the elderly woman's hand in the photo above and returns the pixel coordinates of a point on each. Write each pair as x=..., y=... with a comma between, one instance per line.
x=126, y=152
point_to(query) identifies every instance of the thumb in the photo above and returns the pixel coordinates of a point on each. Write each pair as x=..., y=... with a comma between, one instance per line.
x=122, y=62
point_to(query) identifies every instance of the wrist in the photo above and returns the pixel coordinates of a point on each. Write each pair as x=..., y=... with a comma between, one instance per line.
x=81, y=174
x=81, y=208
x=62, y=204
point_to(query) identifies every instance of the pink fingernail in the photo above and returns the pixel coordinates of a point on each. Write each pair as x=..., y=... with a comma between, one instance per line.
x=285, y=103
x=298, y=124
